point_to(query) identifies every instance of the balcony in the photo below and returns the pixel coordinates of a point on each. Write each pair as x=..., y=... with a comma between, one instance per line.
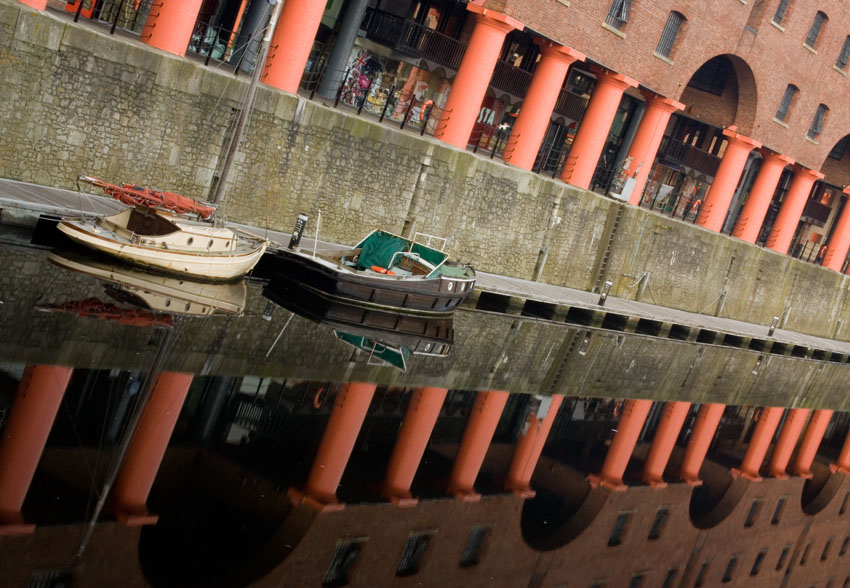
x=411, y=38
x=815, y=213
x=682, y=154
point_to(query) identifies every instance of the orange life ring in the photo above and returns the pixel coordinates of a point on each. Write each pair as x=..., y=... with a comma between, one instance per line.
x=381, y=270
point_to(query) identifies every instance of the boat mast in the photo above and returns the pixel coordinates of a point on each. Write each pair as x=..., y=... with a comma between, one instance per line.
x=248, y=103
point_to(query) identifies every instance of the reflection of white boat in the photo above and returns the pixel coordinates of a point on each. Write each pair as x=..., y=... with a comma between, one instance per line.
x=160, y=240
x=155, y=292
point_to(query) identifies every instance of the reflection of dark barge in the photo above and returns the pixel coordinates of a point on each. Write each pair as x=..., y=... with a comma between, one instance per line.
x=421, y=334
x=383, y=269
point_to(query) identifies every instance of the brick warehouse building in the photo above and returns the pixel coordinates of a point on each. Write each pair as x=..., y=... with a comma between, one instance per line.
x=705, y=125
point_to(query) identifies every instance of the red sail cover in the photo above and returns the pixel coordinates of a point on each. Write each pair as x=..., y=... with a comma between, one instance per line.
x=141, y=196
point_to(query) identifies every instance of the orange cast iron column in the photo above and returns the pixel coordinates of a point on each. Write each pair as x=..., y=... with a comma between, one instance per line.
x=473, y=76
x=39, y=396
x=794, y=423
x=839, y=243
x=528, y=449
x=752, y=215
x=789, y=215
x=410, y=446
x=810, y=443
x=759, y=444
x=291, y=43
x=672, y=418
x=37, y=4
x=620, y=451
x=147, y=448
x=170, y=24
x=647, y=139
x=843, y=463
x=719, y=196
x=593, y=132
x=701, y=437
x=475, y=442
x=533, y=120
x=349, y=411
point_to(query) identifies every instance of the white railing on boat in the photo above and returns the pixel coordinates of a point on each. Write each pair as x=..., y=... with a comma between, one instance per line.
x=430, y=238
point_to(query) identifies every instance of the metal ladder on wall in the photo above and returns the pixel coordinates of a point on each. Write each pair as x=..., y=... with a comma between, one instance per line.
x=602, y=273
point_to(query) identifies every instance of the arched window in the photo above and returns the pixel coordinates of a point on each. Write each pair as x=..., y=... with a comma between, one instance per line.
x=817, y=25
x=785, y=105
x=671, y=30
x=817, y=122
x=618, y=14
x=780, y=11
x=841, y=63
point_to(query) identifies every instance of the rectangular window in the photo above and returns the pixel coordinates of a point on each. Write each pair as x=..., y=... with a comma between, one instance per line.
x=619, y=530
x=805, y=554
x=845, y=545
x=780, y=11
x=661, y=516
x=812, y=37
x=637, y=580
x=841, y=62
x=345, y=554
x=783, y=556
x=670, y=578
x=600, y=583
x=757, y=564
x=470, y=554
x=826, y=547
x=730, y=569
x=844, y=503
x=618, y=14
x=817, y=122
x=668, y=37
x=754, y=510
x=703, y=572
x=414, y=549
x=785, y=105
x=777, y=514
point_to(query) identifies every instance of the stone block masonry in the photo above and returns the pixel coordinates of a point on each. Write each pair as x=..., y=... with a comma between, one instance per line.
x=76, y=100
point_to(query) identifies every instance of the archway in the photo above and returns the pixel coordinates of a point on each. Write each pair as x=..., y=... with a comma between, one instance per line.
x=722, y=92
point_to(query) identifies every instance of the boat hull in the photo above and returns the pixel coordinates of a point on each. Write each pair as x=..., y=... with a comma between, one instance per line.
x=440, y=294
x=226, y=266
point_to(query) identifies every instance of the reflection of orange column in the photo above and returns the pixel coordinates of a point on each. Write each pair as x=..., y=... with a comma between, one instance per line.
x=595, y=124
x=410, y=446
x=474, y=74
x=672, y=418
x=170, y=24
x=37, y=4
x=647, y=139
x=789, y=215
x=752, y=215
x=147, y=448
x=533, y=120
x=842, y=464
x=349, y=411
x=625, y=439
x=701, y=437
x=759, y=444
x=290, y=47
x=839, y=243
x=794, y=423
x=39, y=395
x=528, y=449
x=810, y=443
x=719, y=196
x=475, y=442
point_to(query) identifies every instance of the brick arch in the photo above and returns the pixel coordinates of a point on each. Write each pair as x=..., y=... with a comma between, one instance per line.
x=717, y=497
x=819, y=491
x=837, y=171
x=736, y=105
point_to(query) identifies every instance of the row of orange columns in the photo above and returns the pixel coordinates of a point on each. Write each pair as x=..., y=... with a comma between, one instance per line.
x=36, y=404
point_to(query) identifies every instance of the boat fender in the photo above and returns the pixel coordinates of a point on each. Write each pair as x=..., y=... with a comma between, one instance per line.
x=381, y=270
x=319, y=398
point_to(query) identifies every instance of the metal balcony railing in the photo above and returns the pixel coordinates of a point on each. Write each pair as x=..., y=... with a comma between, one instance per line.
x=413, y=38
x=680, y=153
x=510, y=79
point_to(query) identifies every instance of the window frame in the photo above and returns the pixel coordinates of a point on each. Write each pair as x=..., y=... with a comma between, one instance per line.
x=618, y=14
x=818, y=122
x=816, y=29
x=784, y=110
x=672, y=30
